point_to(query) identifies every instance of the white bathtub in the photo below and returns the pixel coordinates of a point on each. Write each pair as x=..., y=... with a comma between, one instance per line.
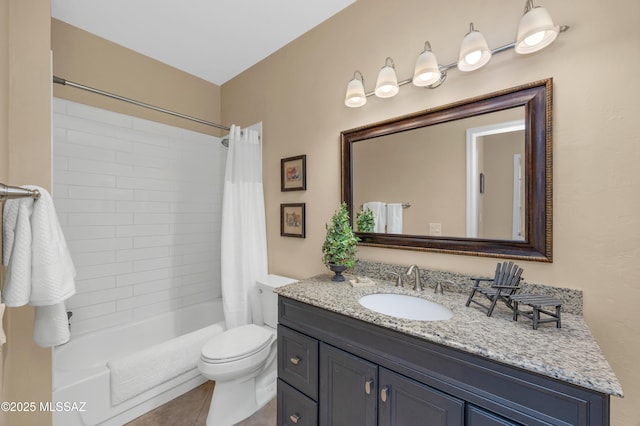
x=81, y=378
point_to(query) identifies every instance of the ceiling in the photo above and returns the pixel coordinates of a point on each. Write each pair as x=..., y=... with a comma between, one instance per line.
x=212, y=39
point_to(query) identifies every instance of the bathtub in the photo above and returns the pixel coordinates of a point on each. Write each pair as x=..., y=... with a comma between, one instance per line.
x=81, y=377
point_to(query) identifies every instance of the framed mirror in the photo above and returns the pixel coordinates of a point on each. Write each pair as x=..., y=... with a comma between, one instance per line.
x=473, y=177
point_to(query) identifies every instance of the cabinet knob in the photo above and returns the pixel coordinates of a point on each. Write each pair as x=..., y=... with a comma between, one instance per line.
x=384, y=393
x=295, y=360
x=367, y=386
x=295, y=418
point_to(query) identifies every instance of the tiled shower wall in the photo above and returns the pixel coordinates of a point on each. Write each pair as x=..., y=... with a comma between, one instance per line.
x=139, y=203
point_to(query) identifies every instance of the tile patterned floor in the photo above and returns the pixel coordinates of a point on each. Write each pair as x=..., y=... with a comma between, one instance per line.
x=192, y=409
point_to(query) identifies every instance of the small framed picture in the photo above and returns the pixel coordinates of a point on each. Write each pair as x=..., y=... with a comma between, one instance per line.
x=293, y=173
x=292, y=220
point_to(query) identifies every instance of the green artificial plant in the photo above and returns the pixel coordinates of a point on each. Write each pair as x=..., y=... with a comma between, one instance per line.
x=339, y=246
x=365, y=220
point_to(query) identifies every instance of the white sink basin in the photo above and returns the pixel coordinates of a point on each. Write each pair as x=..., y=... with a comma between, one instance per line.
x=407, y=307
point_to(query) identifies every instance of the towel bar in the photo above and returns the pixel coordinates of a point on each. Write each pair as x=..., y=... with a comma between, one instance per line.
x=9, y=192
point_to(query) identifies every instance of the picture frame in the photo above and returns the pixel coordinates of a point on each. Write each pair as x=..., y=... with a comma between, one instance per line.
x=293, y=173
x=292, y=220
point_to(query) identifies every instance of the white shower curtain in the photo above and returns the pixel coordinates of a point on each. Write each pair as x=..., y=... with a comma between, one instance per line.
x=243, y=236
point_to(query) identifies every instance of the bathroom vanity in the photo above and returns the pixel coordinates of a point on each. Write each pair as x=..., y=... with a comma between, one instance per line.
x=342, y=364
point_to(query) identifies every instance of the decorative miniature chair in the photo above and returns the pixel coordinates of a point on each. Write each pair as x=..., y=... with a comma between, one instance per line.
x=503, y=285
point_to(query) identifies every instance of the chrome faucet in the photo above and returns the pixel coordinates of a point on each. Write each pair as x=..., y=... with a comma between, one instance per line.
x=418, y=284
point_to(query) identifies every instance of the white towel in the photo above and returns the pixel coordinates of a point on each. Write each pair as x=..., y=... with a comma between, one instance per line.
x=133, y=374
x=394, y=218
x=16, y=251
x=39, y=267
x=379, y=214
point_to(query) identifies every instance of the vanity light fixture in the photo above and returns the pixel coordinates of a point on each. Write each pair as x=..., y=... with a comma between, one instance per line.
x=355, y=91
x=387, y=83
x=535, y=32
x=426, y=70
x=474, y=51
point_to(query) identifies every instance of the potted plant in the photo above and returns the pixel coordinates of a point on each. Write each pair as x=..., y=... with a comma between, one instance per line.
x=339, y=248
x=365, y=220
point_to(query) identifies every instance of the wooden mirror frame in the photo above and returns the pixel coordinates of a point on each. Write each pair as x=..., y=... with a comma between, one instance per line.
x=536, y=98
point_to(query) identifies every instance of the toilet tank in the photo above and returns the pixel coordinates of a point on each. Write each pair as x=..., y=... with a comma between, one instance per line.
x=269, y=299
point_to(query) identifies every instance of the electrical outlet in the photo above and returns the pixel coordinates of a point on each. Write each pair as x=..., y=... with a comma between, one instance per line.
x=435, y=229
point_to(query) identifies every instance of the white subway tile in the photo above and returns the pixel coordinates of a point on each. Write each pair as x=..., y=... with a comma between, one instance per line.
x=146, y=195
x=95, y=193
x=156, y=285
x=143, y=253
x=157, y=308
x=84, y=206
x=95, y=284
x=92, y=311
x=103, y=270
x=141, y=230
x=100, y=296
x=98, y=114
x=96, y=219
x=70, y=150
x=153, y=241
x=73, y=233
x=87, y=179
x=151, y=218
x=142, y=207
x=98, y=141
x=147, y=299
x=158, y=263
x=95, y=258
x=76, y=123
x=100, y=244
x=142, y=277
x=142, y=137
x=103, y=167
x=141, y=160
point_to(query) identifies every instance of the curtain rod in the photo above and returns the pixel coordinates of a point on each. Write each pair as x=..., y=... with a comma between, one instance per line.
x=62, y=81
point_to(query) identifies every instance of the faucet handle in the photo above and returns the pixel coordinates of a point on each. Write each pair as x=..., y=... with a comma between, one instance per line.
x=398, y=279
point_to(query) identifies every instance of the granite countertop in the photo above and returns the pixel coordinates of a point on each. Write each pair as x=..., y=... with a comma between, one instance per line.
x=570, y=353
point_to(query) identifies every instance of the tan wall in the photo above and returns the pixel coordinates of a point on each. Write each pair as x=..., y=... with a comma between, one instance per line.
x=4, y=150
x=26, y=158
x=298, y=93
x=84, y=58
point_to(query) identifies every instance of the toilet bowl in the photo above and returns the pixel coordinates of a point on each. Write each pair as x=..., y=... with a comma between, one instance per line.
x=243, y=361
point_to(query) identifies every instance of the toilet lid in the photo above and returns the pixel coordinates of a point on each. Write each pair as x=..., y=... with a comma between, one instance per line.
x=237, y=343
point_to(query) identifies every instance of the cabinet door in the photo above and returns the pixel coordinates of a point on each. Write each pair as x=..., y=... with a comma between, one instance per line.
x=405, y=402
x=348, y=389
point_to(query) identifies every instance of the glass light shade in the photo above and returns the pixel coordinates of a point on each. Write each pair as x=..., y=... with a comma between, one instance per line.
x=474, y=51
x=536, y=31
x=426, y=71
x=387, y=83
x=355, y=94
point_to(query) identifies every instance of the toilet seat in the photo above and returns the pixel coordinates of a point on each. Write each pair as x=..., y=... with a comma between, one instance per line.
x=236, y=344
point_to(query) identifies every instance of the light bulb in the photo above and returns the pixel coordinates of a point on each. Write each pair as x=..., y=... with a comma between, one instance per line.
x=473, y=57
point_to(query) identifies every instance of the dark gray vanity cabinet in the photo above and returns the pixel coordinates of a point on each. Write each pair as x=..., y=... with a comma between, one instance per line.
x=336, y=370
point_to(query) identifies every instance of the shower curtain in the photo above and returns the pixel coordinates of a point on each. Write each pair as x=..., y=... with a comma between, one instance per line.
x=243, y=236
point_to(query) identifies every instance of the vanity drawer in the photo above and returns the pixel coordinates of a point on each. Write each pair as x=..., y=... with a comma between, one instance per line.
x=298, y=361
x=479, y=417
x=294, y=408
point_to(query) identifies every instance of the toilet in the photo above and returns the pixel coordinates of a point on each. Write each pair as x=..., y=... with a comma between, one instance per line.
x=243, y=360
